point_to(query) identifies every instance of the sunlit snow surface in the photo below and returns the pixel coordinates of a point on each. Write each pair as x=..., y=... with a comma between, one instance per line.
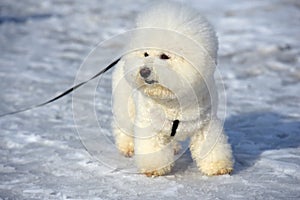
x=43, y=44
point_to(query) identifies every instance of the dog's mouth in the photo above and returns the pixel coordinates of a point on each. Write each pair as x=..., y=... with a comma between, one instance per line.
x=150, y=82
x=157, y=91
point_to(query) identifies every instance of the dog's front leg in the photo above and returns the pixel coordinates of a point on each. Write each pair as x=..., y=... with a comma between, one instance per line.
x=154, y=156
x=211, y=150
x=154, y=150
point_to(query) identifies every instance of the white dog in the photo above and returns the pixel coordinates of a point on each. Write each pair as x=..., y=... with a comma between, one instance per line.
x=164, y=91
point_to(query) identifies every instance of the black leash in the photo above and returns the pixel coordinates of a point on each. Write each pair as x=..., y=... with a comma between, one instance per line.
x=65, y=92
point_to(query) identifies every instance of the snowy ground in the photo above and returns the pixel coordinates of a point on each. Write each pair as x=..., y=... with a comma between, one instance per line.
x=42, y=45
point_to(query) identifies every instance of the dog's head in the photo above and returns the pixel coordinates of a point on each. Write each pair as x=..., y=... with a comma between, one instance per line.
x=184, y=50
x=159, y=74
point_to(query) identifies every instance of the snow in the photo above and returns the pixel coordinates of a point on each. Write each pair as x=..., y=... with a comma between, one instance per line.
x=43, y=44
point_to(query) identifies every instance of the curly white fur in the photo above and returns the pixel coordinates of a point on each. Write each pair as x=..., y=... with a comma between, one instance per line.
x=178, y=85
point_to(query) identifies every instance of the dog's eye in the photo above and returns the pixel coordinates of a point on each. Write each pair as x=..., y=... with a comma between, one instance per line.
x=164, y=57
x=146, y=54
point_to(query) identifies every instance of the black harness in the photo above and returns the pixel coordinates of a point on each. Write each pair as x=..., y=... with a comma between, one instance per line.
x=174, y=127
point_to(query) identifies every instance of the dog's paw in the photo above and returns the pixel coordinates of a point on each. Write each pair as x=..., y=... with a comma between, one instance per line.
x=223, y=171
x=128, y=153
x=217, y=168
x=159, y=172
x=153, y=174
x=128, y=150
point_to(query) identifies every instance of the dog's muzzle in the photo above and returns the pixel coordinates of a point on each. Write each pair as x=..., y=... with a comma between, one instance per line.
x=145, y=73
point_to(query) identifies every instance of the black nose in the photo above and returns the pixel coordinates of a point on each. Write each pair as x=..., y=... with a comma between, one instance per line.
x=145, y=72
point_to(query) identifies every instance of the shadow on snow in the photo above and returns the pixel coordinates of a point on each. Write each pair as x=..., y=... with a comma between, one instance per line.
x=250, y=134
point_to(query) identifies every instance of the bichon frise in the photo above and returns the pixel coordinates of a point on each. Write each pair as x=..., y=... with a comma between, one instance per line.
x=164, y=91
